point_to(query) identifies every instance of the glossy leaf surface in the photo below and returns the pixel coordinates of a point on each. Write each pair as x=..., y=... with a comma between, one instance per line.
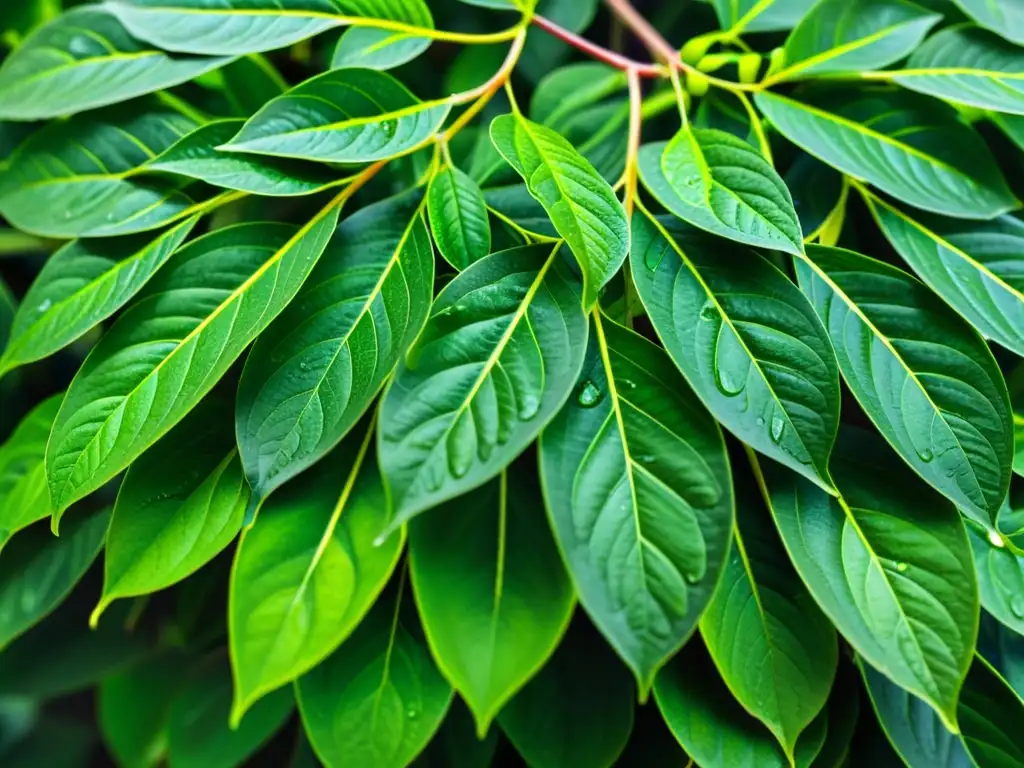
x=1005, y=18
x=458, y=218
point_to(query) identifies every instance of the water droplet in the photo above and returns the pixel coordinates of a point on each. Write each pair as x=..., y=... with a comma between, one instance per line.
x=995, y=539
x=67, y=214
x=79, y=46
x=709, y=311
x=589, y=395
x=760, y=421
x=925, y=454
x=727, y=383
x=411, y=713
x=692, y=578
x=529, y=404
x=778, y=427
x=901, y=567
x=45, y=305
x=303, y=366
x=1017, y=606
x=388, y=126
x=647, y=458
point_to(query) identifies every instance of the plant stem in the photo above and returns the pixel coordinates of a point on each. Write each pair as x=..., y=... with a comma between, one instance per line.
x=633, y=143
x=642, y=28
x=485, y=92
x=600, y=53
x=434, y=34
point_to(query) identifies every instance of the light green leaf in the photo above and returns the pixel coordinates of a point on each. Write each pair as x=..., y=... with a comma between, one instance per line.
x=314, y=371
x=577, y=712
x=977, y=267
x=581, y=204
x=180, y=504
x=343, y=116
x=567, y=90
x=307, y=571
x=1006, y=18
x=760, y=15
x=492, y=591
x=914, y=148
x=991, y=718
x=85, y=59
x=924, y=377
x=745, y=338
x=24, y=498
x=840, y=36
x=1000, y=576
x=721, y=184
x=82, y=284
x=198, y=732
x=38, y=570
x=75, y=178
x=225, y=27
x=458, y=218
x=378, y=699
x=639, y=493
x=888, y=562
x=775, y=649
x=158, y=360
x=499, y=356
x=197, y=157
x=968, y=65
x=377, y=48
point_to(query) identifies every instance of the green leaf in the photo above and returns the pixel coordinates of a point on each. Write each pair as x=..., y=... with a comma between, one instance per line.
x=639, y=493
x=378, y=699
x=914, y=148
x=1005, y=18
x=775, y=649
x=250, y=82
x=38, y=570
x=307, y=571
x=312, y=374
x=977, y=267
x=225, y=27
x=492, y=591
x=515, y=204
x=82, y=284
x=196, y=156
x=74, y=178
x=543, y=53
x=888, y=562
x=577, y=712
x=343, y=116
x=968, y=65
x=819, y=197
x=1012, y=126
x=991, y=718
x=843, y=712
x=85, y=59
x=923, y=376
x=158, y=360
x=180, y=504
x=745, y=338
x=760, y=15
x=377, y=48
x=23, y=495
x=854, y=36
x=1000, y=577
x=565, y=91
x=56, y=742
x=198, y=732
x=458, y=218
x=721, y=184
x=499, y=356
x=581, y=204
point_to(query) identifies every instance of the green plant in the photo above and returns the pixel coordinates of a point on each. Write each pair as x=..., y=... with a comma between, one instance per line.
x=722, y=345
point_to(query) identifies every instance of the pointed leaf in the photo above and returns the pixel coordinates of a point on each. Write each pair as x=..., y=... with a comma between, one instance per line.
x=377, y=48
x=581, y=204
x=82, y=284
x=499, y=355
x=1005, y=18
x=315, y=370
x=639, y=493
x=187, y=328
x=1000, y=577
x=85, y=59
x=922, y=375
x=458, y=218
x=916, y=149
x=342, y=116
x=760, y=15
x=745, y=338
x=307, y=571
x=991, y=718
x=492, y=591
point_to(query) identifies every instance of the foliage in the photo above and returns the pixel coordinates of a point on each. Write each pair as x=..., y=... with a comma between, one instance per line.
x=479, y=382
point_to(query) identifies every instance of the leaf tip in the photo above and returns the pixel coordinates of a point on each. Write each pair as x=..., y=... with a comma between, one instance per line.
x=97, y=612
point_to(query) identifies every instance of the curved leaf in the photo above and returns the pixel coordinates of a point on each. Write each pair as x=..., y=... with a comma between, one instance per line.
x=343, y=116
x=160, y=357
x=580, y=203
x=991, y=718
x=888, y=562
x=564, y=92
x=639, y=493
x=377, y=48
x=85, y=59
x=499, y=356
x=378, y=699
x=82, y=284
x=745, y=338
x=968, y=65
x=250, y=82
x=977, y=267
x=458, y=218
x=819, y=196
x=492, y=591
x=315, y=370
x=922, y=375
x=180, y=504
x=775, y=649
x=854, y=36
x=760, y=15
x=1000, y=577
x=1005, y=18
x=914, y=148
x=307, y=571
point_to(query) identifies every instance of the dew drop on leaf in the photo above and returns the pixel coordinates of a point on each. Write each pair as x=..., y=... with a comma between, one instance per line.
x=995, y=539
x=589, y=394
x=529, y=405
x=727, y=383
x=778, y=427
x=901, y=567
x=45, y=305
x=925, y=455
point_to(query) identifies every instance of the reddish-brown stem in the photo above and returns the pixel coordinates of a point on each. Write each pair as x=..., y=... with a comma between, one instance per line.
x=642, y=28
x=600, y=53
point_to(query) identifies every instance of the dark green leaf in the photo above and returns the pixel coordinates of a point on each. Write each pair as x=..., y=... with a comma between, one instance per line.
x=1006, y=18
x=991, y=718
x=250, y=82
x=458, y=218
x=1000, y=577
x=760, y=15
x=562, y=93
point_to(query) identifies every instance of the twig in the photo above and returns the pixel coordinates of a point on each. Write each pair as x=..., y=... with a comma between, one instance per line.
x=599, y=52
x=633, y=143
x=642, y=28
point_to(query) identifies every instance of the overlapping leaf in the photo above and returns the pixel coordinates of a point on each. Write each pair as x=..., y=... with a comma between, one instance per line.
x=458, y=218
x=1000, y=576
x=377, y=48
x=1005, y=18
x=760, y=15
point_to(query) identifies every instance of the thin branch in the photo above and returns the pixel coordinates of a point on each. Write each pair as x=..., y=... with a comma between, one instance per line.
x=633, y=142
x=642, y=28
x=600, y=53
x=485, y=92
